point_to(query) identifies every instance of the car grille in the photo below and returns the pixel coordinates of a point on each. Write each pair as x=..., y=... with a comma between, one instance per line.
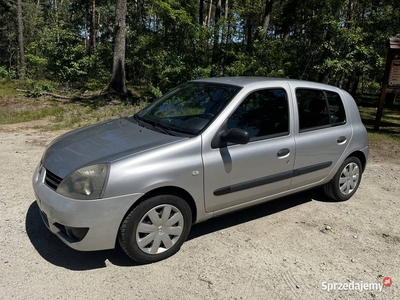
x=52, y=180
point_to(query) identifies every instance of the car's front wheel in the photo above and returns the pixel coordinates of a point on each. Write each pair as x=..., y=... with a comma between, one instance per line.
x=156, y=228
x=346, y=181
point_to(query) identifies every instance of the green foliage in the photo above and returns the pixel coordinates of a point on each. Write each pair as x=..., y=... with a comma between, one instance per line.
x=335, y=41
x=38, y=87
x=36, y=64
x=3, y=72
x=8, y=37
x=94, y=84
x=156, y=91
x=9, y=87
x=200, y=72
x=265, y=59
x=66, y=56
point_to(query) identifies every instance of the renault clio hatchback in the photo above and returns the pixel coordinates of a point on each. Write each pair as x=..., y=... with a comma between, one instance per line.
x=206, y=148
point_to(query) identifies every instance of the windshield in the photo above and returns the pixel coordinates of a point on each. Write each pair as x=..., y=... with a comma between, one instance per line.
x=189, y=108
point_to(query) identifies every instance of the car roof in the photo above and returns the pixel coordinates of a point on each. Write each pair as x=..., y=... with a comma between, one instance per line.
x=251, y=80
x=240, y=81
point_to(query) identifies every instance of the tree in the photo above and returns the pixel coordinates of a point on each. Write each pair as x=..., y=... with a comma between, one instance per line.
x=216, y=52
x=118, y=77
x=21, y=38
x=78, y=42
x=201, y=12
x=267, y=15
x=93, y=32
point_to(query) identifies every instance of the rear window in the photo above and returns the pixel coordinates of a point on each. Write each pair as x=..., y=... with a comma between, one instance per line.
x=319, y=109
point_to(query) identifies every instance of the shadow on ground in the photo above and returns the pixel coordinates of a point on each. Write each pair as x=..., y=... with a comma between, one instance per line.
x=256, y=212
x=52, y=249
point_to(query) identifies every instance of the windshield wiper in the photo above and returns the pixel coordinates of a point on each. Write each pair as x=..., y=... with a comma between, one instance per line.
x=161, y=127
x=138, y=120
x=153, y=124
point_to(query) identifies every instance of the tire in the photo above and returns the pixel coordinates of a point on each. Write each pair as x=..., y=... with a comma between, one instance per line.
x=346, y=181
x=156, y=228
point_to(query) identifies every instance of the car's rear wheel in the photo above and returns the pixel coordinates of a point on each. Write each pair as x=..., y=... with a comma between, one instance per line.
x=346, y=181
x=156, y=228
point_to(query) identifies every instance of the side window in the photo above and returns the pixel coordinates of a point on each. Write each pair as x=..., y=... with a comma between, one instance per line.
x=263, y=113
x=313, y=111
x=336, y=109
x=319, y=108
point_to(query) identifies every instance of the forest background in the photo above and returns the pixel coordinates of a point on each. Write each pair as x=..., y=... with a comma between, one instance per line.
x=58, y=44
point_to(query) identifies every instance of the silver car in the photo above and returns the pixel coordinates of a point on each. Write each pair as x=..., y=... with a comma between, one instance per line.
x=208, y=147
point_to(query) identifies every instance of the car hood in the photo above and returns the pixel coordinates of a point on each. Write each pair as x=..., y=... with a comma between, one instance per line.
x=101, y=143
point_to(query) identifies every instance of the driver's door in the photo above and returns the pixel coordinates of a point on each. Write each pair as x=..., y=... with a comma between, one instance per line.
x=237, y=174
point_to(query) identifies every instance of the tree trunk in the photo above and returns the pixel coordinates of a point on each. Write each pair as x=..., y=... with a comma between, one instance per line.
x=356, y=82
x=216, y=21
x=349, y=16
x=324, y=77
x=85, y=30
x=93, y=43
x=249, y=34
x=226, y=9
x=21, y=38
x=139, y=10
x=201, y=12
x=208, y=21
x=225, y=24
x=56, y=19
x=117, y=82
x=216, y=37
x=267, y=15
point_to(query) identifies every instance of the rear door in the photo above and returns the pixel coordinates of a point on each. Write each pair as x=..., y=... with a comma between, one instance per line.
x=322, y=134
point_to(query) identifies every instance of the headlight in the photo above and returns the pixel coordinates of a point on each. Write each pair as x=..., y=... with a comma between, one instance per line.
x=84, y=184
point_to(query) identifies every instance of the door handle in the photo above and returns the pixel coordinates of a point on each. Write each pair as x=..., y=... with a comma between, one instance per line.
x=341, y=139
x=283, y=153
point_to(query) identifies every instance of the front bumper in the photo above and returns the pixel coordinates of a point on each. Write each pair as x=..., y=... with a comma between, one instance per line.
x=85, y=225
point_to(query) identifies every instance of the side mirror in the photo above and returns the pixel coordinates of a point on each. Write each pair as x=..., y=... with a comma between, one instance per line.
x=235, y=136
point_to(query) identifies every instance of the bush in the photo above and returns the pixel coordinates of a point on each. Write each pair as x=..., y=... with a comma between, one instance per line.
x=37, y=87
x=3, y=72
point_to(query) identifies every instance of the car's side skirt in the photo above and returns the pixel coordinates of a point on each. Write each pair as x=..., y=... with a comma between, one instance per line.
x=270, y=179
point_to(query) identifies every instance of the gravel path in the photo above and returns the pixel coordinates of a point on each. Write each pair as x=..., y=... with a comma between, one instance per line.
x=285, y=249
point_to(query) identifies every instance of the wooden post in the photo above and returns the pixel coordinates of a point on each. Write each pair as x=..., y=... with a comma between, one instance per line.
x=391, y=79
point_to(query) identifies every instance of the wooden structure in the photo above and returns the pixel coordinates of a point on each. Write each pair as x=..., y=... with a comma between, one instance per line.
x=391, y=79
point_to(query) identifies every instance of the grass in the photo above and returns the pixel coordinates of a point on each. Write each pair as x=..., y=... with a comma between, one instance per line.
x=78, y=115
x=8, y=117
x=10, y=87
x=55, y=115
x=17, y=109
x=386, y=141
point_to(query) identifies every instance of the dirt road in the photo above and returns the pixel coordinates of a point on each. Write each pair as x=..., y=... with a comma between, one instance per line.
x=291, y=248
